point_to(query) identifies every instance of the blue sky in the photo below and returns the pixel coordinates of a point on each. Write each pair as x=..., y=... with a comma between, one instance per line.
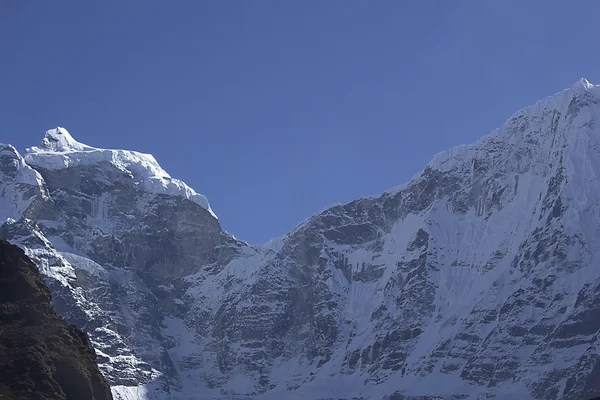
x=275, y=109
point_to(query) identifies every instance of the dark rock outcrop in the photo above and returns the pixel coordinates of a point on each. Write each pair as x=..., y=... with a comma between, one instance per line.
x=41, y=356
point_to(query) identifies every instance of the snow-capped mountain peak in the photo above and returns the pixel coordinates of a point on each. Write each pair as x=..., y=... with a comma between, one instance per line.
x=573, y=106
x=60, y=140
x=59, y=150
x=564, y=101
x=11, y=157
x=583, y=84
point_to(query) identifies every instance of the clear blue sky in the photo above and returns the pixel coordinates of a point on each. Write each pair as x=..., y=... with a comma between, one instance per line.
x=275, y=109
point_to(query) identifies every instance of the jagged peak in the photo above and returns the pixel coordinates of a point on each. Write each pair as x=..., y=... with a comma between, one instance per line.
x=582, y=84
x=559, y=102
x=8, y=149
x=59, y=150
x=11, y=159
x=60, y=140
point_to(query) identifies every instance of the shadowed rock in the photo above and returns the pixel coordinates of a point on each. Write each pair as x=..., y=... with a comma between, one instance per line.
x=41, y=356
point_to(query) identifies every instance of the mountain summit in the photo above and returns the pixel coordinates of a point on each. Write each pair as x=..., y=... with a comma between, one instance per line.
x=58, y=151
x=476, y=279
x=60, y=140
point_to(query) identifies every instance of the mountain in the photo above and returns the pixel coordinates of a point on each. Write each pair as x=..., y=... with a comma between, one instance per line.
x=478, y=278
x=41, y=357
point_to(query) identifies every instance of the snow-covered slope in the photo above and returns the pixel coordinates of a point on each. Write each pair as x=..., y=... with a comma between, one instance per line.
x=478, y=278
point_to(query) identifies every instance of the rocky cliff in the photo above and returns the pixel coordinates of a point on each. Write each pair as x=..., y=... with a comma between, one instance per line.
x=41, y=356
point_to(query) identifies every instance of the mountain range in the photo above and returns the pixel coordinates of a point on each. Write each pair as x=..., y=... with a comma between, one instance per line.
x=477, y=279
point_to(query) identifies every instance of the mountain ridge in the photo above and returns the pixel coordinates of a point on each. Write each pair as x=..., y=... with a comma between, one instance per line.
x=67, y=143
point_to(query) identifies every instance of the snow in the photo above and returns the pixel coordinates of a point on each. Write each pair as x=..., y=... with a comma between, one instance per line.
x=24, y=173
x=15, y=182
x=560, y=101
x=275, y=244
x=149, y=391
x=129, y=392
x=60, y=140
x=209, y=290
x=59, y=150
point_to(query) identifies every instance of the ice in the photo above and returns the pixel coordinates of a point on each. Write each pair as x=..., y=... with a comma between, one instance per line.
x=150, y=391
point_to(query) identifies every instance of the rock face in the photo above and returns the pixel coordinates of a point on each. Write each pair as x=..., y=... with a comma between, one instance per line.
x=41, y=356
x=478, y=278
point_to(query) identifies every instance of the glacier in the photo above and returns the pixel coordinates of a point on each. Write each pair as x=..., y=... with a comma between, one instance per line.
x=478, y=278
